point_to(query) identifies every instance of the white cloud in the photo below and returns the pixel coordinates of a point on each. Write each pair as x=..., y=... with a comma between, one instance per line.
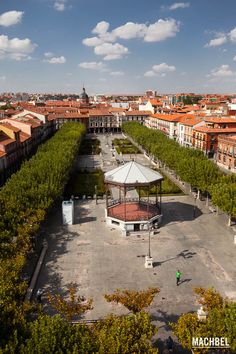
x=163, y=67
x=11, y=18
x=57, y=60
x=179, y=5
x=104, y=44
x=15, y=48
x=130, y=30
x=2, y=78
x=48, y=54
x=117, y=73
x=161, y=30
x=101, y=27
x=232, y=35
x=92, y=41
x=217, y=41
x=60, y=5
x=149, y=73
x=111, y=51
x=234, y=58
x=222, y=38
x=93, y=65
x=155, y=32
x=160, y=70
x=221, y=72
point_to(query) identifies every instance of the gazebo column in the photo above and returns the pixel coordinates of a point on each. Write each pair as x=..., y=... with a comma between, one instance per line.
x=156, y=195
x=106, y=197
x=119, y=194
x=125, y=201
x=160, y=197
x=148, y=202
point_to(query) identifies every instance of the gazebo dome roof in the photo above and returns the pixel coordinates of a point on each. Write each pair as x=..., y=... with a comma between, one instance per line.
x=132, y=174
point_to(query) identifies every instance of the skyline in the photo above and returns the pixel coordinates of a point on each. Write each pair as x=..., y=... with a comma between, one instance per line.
x=167, y=46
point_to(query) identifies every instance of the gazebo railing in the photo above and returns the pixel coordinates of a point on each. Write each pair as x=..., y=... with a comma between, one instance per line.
x=131, y=200
x=136, y=217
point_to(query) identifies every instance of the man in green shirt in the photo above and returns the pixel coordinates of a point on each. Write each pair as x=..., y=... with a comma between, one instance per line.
x=177, y=275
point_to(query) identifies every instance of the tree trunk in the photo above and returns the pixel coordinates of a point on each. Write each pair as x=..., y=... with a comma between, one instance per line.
x=207, y=200
x=198, y=194
x=229, y=220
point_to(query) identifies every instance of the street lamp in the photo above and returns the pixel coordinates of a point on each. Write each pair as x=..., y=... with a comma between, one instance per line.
x=148, y=258
x=96, y=199
x=195, y=205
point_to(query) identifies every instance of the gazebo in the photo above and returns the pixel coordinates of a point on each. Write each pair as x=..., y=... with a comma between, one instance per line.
x=126, y=207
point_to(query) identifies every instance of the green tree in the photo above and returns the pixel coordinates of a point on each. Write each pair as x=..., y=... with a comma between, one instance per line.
x=126, y=334
x=224, y=196
x=48, y=335
x=133, y=300
x=220, y=321
x=72, y=307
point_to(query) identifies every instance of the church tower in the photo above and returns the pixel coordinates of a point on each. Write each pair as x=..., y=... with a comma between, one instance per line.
x=84, y=98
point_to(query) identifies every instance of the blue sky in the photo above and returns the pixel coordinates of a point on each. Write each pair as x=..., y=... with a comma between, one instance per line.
x=118, y=46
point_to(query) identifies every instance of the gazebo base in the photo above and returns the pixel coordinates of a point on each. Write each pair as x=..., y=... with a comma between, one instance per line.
x=133, y=217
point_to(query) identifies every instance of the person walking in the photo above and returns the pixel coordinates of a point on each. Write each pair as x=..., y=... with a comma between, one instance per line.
x=177, y=275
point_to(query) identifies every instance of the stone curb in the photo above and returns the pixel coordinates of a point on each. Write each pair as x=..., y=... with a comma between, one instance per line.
x=34, y=278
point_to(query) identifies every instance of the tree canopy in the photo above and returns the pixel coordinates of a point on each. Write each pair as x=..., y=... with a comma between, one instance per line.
x=191, y=165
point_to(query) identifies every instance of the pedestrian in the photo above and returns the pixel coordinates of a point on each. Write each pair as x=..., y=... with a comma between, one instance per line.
x=178, y=275
x=170, y=343
x=39, y=296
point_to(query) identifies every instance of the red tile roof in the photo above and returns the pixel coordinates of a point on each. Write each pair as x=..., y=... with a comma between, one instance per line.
x=204, y=129
x=155, y=102
x=231, y=137
x=24, y=137
x=138, y=113
x=4, y=141
x=10, y=127
x=220, y=120
x=2, y=153
x=99, y=112
x=168, y=117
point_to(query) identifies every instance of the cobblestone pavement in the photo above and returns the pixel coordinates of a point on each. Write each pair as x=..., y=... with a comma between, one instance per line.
x=100, y=260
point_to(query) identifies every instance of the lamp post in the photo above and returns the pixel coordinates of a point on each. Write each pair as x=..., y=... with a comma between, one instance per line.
x=149, y=241
x=195, y=205
x=96, y=198
x=148, y=258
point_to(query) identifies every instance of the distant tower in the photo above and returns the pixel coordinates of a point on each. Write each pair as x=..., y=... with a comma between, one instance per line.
x=84, y=98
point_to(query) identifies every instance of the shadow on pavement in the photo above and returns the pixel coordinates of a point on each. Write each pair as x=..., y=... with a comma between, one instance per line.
x=179, y=212
x=184, y=254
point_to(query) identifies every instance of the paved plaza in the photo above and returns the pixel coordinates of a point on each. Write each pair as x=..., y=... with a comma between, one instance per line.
x=100, y=260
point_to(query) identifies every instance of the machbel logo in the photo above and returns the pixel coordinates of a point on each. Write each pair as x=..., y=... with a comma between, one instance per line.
x=210, y=342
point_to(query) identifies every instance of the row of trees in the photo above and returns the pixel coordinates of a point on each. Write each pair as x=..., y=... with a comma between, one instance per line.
x=192, y=166
x=127, y=334
x=24, y=202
